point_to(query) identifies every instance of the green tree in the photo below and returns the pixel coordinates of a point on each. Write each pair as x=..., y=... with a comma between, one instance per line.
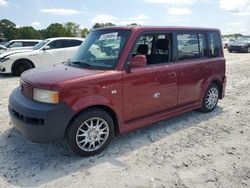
x=84, y=32
x=7, y=29
x=99, y=25
x=56, y=30
x=28, y=33
x=73, y=29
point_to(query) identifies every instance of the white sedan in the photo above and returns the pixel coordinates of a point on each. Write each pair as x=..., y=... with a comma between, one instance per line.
x=47, y=52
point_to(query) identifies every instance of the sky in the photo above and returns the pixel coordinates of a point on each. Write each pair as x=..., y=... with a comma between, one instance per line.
x=231, y=16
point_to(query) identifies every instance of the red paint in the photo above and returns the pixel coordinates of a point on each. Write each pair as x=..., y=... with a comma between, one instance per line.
x=181, y=85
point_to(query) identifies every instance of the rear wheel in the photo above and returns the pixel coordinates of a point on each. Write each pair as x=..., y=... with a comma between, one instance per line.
x=210, y=98
x=90, y=132
x=20, y=66
x=248, y=49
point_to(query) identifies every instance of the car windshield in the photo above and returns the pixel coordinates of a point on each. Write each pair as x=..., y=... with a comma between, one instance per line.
x=7, y=45
x=101, y=49
x=40, y=44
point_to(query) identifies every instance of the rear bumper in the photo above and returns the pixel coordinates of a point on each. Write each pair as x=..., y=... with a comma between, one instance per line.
x=39, y=122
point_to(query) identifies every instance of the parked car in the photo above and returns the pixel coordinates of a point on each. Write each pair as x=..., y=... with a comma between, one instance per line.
x=47, y=52
x=240, y=45
x=227, y=42
x=149, y=78
x=19, y=44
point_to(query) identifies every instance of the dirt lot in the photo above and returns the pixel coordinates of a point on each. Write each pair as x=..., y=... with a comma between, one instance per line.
x=191, y=150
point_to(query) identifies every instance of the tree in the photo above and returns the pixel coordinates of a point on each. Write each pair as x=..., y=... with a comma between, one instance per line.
x=7, y=29
x=84, y=32
x=28, y=33
x=99, y=25
x=73, y=29
x=56, y=30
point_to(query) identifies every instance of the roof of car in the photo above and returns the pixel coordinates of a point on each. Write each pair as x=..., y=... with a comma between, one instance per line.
x=25, y=40
x=158, y=28
x=56, y=38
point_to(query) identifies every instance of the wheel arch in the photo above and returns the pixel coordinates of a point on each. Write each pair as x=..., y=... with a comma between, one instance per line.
x=105, y=108
x=220, y=86
x=22, y=59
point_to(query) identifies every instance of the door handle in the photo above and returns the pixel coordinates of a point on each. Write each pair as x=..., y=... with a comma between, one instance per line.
x=172, y=74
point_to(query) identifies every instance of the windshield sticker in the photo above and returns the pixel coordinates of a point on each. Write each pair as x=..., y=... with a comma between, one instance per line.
x=109, y=36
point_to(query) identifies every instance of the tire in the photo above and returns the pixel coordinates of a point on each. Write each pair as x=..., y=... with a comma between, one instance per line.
x=20, y=66
x=248, y=49
x=210, y=99
x=84, y=135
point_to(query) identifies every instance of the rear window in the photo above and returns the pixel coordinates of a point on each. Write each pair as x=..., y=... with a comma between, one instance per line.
x=215, y=47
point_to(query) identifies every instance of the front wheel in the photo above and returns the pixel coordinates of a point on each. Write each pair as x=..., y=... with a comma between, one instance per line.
x=210, y=98
x=20, y=66
x=90, y=132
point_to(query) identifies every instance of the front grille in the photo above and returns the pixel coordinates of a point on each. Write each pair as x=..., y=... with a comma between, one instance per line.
x=26, y=89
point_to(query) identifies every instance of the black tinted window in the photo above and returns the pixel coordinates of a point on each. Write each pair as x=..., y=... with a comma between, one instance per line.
x=72, y=43
x=29, y=43
x=188, y=46
x=214, y=44
x=56, y=44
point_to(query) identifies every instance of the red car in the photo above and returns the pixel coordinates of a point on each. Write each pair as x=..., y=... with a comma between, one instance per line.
x=121, y=79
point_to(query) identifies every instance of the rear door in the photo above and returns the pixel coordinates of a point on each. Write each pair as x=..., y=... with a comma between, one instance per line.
x=151, y=89
x=193, y=60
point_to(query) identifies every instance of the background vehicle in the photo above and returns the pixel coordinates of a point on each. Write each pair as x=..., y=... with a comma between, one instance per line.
x=226, y=42
x=19, y=44
x=149, y=74
x=47, y=52
x=240, y=45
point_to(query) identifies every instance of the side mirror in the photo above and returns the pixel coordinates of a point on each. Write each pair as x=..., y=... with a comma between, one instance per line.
x=138, y=61
x=46, y=48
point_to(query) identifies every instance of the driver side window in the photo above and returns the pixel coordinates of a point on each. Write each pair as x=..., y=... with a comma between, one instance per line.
x=156, y=47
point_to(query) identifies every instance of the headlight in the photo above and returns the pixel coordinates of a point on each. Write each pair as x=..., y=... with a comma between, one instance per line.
x=46, y=96
x=4, y=59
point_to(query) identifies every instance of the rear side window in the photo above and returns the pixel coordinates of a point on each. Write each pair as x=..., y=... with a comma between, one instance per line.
x=72, y=43
x=215, y=47
x=203, y=48
x=188, y=46
x=56, y=44
x=29, y=43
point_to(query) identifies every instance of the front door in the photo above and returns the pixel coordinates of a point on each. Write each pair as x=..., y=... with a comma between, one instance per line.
x=151, y=89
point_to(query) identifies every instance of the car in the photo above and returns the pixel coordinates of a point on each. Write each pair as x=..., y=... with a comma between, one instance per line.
x=47, y=52
x=226, y=42
x=92, y=97
x=242, y=44
x=19, y=44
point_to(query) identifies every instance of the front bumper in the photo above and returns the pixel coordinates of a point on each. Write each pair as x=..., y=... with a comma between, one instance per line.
x=5, y=67
x=39, y=122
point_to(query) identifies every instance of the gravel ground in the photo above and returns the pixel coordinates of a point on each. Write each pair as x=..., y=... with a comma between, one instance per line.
x=190, y=150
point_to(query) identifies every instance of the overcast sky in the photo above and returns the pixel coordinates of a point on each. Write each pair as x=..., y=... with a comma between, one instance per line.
x=231, y=16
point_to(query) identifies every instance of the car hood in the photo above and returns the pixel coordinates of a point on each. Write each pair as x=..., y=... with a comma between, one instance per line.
x=7, y=53
x=51, y=77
